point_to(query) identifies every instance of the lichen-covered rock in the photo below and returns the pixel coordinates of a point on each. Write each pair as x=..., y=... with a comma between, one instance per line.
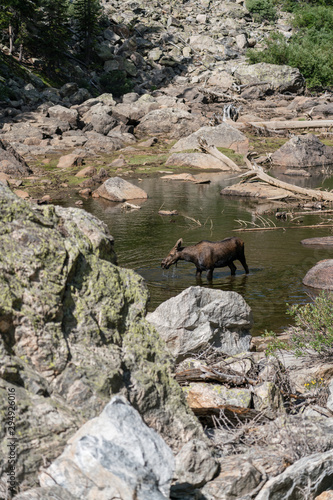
x=73, y=333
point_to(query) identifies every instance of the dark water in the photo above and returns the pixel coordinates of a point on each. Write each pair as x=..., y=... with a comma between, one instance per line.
x=276, y=259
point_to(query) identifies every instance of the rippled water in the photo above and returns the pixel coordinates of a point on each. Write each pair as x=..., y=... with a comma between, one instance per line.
x=276, y=259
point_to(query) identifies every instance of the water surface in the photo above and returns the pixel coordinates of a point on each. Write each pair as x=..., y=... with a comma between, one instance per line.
x=276, y=259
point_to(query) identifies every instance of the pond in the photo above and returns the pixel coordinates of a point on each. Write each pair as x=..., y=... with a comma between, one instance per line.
x=276, y=259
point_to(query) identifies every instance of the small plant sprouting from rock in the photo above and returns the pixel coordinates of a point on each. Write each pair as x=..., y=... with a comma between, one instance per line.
x=312, y=335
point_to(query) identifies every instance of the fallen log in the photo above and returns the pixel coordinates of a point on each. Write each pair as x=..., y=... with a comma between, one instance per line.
x=234, y=414
x=167, y=212
x=212, y=150
x=312, y=193
x=204, y=373
x=293, y=124
x=318, y=226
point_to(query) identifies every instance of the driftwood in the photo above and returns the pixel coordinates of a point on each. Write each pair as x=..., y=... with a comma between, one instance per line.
x=221, y=95
x=292, y=124
x=213, y=151
x=205, y=373
x=167, y=212
x=234, y=414
x=318, y=226
x=258, y=173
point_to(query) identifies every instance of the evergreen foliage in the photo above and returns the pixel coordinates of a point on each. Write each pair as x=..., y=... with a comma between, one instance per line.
x=116, y=82
x=52, y=33
x=87, y=14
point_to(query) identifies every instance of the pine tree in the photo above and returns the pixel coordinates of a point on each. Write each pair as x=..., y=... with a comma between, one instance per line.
x=52, y=32
x=16, y=16
x=87, y=14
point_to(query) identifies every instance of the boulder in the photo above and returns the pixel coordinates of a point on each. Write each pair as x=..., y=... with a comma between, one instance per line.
x=221, y=136
x=320, y=275
x=11, y=163
x=201, y=317
x=87, y=172
x=196, y=160
x=207, y=44
x=64, y=114
x=303, y=151
x=130, y=113
x=73, y=334
x=117, y=189
x=172, y=121
x=280, y=78
x=99, y=118
x=115, y=455
x=203, y=395
x=316, y=470
x=71, y=160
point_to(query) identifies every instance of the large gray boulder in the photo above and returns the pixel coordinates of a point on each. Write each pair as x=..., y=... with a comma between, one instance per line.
x=99, y=118
x=221, y=136
x=117, y=189
x=303, y=151
x=64, y=114
x=280, y=78
x=315, y=470
x=174, y=122
x=201, y=317
x=73, y=334
x=114, y=455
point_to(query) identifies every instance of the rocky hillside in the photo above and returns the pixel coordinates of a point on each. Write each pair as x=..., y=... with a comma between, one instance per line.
x=152, y=44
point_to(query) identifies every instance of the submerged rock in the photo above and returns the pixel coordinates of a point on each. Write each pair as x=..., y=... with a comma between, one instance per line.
x=199, y=317
x=320, y=275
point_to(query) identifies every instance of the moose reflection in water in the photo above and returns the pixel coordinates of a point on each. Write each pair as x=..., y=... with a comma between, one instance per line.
x=207, y=255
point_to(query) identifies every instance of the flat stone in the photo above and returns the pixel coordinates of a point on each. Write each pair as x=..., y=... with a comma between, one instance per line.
x=324, y=241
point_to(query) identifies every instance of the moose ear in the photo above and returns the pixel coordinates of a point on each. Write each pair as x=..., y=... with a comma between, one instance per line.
x=179, y=243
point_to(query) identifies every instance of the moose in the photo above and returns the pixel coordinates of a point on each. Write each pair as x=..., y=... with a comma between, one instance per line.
x=207, y=255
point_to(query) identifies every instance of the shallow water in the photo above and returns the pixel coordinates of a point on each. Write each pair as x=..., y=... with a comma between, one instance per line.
x=276, y=259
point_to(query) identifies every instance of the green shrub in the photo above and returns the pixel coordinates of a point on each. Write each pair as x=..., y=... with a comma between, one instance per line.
x=116, y=82
x=312, y=334
x=261, y=9
x=310, y=52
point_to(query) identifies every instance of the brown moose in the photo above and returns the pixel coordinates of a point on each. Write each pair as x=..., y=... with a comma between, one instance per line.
x=207, y=255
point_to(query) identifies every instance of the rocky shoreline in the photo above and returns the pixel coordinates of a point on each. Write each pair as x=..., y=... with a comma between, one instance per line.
x=110, y=402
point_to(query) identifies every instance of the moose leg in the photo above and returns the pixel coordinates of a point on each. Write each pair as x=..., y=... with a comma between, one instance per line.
x=232, y=268
x=210, y=274
x=242, y=260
